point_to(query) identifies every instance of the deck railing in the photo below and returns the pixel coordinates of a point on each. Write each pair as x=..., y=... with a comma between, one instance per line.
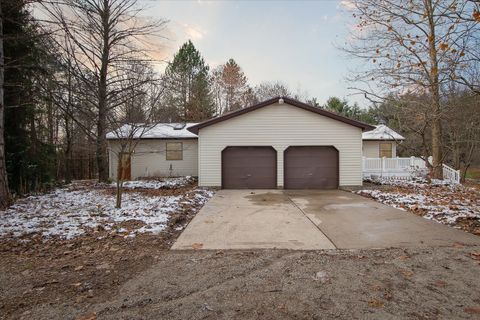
x=451, y=174
x=403, y=168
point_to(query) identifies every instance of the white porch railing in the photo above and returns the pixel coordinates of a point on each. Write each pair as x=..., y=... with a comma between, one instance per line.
x=451, y=174
x=403, y=168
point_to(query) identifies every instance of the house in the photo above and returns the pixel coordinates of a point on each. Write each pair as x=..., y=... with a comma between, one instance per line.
x=166, y=150
x=279, y=143
x=381, y=142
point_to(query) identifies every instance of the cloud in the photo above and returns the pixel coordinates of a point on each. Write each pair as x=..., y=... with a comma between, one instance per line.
x=206, y=2
x=347, y=4
x=193, y=33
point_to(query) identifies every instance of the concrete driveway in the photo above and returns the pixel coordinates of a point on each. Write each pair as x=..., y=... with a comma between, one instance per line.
x=306, y=220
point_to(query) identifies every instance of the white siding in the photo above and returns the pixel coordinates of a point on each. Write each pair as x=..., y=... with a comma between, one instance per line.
x=149, y=159
x=280, y=126
x=371, y=149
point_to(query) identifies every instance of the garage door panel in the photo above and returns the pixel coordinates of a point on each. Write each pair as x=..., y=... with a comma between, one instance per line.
x=249, y=168
x=311, y=167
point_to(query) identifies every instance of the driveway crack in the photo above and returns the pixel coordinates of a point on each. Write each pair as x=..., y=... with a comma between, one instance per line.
x=306, y=216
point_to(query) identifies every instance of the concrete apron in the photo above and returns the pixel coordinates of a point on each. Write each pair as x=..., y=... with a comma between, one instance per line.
x=309, y=220
x=251, y=219
x=355, y=222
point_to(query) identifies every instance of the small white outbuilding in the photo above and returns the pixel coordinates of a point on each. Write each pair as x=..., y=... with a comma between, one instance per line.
x=381, y=142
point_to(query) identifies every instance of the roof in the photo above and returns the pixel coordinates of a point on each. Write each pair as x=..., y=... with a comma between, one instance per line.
x=158, y=131
x=382, y=132
x=292, y=102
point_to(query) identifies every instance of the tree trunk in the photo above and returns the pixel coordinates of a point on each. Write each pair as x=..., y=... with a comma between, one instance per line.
x=5, y=197
x=68, y=133
x=120, y=170
x=101, y=142
x=118, y=203
x=68, y=150
x=436, y=129
x=101, y=148
x=437, y=153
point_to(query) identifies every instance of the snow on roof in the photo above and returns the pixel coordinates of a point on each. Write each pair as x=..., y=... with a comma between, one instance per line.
x=158, y=131
x=381, y=132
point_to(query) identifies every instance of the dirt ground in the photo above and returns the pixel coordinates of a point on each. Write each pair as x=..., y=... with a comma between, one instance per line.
x=110, y=276
x=138, y=278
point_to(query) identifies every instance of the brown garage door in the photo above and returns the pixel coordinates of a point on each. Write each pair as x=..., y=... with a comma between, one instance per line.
x=249, y=168
x=311, y=167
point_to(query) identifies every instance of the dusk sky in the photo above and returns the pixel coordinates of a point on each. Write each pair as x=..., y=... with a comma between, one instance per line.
x=290, y=41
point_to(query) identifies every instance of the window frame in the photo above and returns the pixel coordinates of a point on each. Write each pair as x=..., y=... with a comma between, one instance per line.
x=380, y=151
x=179, y=150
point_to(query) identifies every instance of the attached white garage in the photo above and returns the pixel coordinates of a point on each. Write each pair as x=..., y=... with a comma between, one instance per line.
x=331, y=145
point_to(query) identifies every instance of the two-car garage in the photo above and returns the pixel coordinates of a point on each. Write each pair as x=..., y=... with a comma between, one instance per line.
x=255, y=167
x=280, y=143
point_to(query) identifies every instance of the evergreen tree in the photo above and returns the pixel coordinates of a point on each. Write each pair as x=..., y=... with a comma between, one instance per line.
x=30, y=153
x=336, y=105
x=187, y=85
x=342, y=107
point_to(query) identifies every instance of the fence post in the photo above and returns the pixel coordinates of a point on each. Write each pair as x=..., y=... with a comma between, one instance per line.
x=383, y=166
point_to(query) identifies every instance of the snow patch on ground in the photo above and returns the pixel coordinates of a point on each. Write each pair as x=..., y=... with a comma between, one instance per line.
x=167, y=183
x=416, y=182
x=439, y=201
x=70, y=212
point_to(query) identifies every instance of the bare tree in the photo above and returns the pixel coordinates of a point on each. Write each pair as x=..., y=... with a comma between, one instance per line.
x=102, y=36
x=230, y=87
x=469, y=76
x=413, y=46
x=142, y=91
x=268, y=90
x=462, y=128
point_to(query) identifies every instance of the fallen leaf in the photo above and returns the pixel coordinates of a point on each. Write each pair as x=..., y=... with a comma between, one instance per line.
x=374, y=303
x=474, y=310
x=388, y=296
x=78, y=268
x=458, y=245
x=474, y=255
x=88, y=316
x=440, y=283
x=407, y=273
x=197, y=245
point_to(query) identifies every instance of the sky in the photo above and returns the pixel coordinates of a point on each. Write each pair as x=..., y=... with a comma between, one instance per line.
x=295, y=42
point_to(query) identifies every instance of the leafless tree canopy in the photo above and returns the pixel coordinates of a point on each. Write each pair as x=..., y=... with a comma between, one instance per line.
x=102, y=41
x=413, y=47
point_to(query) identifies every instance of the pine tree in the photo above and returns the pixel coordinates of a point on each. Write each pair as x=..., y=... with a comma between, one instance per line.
x=30, y=153
x=187, y=86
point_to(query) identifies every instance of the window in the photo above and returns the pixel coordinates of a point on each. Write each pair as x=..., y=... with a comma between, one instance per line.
x=385, y=150
x=174, y=151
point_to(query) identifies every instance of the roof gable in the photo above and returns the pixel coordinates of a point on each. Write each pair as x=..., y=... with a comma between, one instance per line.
x=382, y=132
x=194, y=129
